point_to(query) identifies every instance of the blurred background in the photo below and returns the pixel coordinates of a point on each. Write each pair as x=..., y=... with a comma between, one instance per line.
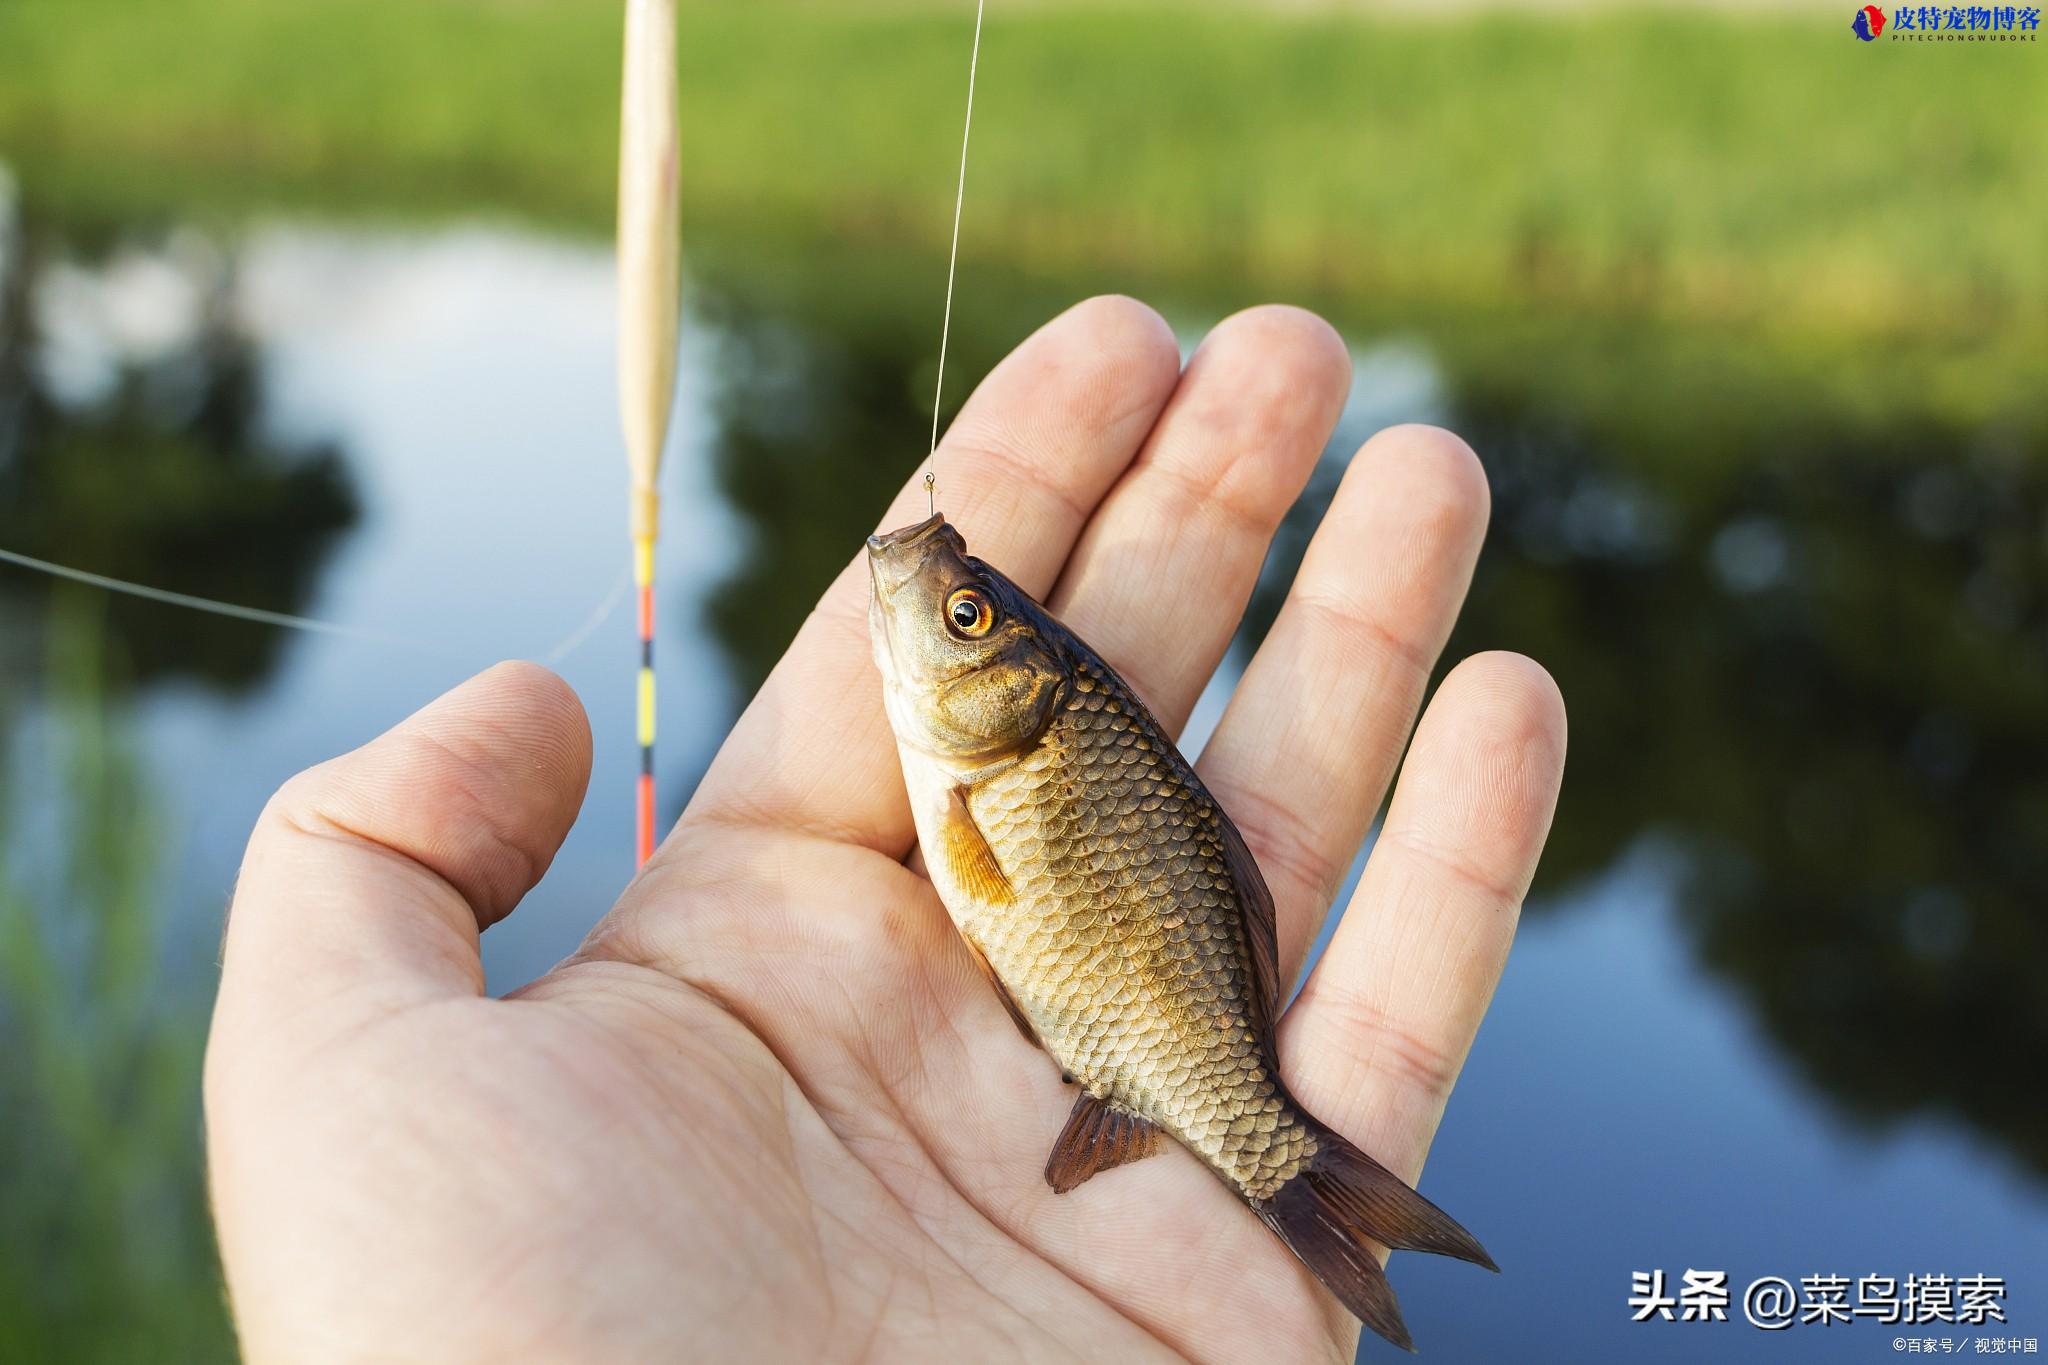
x=309, y=307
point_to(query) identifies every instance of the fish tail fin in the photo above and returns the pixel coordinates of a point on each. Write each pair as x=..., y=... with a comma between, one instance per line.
x=1332, y=1213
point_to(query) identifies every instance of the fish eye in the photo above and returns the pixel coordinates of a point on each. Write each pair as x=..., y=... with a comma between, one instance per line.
x=970, y=613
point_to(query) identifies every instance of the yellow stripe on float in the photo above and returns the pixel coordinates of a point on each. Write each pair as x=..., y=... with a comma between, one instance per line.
x=646, y=706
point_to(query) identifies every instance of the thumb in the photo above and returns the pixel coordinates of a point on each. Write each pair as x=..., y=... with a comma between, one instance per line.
x=369, y=877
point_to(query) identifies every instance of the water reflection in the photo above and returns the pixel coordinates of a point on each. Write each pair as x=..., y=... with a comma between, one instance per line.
x=132, y=444
x=810, y=424
x=106, y=1249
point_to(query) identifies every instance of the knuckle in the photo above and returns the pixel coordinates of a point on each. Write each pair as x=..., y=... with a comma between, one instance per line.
x=1388, y=1046
x=1287, y=846
x=1459, y=867
x=1358, y=628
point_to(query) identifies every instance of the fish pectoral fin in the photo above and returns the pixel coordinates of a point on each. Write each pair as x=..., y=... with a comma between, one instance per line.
x=1017, y=1015
x=968, y=856
x=974, y=865
x=1099, y=1136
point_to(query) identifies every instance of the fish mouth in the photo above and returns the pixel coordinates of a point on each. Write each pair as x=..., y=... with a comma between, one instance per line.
x=897, y=557
x=905, y=537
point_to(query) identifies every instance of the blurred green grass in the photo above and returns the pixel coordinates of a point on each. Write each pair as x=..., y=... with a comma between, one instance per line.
x=106, y=1251
x=1759, y=170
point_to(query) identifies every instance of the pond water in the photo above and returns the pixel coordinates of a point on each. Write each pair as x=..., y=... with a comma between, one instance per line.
x=1777, y=1007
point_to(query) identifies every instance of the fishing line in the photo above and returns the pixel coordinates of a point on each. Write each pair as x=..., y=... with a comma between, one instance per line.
x=599, y=614
x=952, y=263
x=312, y=625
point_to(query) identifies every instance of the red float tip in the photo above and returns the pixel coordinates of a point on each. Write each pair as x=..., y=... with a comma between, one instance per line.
x=643, y=844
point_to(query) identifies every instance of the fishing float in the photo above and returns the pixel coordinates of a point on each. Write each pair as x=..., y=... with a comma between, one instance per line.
x=650, y=303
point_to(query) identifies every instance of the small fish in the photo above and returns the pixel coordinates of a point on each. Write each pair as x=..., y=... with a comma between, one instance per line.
x=1116, y=911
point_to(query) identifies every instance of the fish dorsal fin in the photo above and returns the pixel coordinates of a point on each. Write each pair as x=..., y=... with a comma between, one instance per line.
x=968, y=856
x=1261, y=933
x=1017, y=1015
x=1098, y=1137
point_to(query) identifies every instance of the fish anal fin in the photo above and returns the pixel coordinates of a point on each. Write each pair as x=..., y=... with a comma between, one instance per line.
x=1098, y=1137
x=1261, y=930
x=1017, y=1015
x=968, y=856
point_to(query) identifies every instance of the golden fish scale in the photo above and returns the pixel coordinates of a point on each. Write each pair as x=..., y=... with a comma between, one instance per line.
x=1125, y=944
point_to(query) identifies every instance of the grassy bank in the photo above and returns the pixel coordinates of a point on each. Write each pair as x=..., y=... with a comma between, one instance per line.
x=1763, y=171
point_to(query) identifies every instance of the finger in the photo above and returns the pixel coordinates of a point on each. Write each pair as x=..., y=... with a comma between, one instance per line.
x=1162, y=574
x=1327, y=702
x=1376, y=1040
x=369, y=877
x=1021, y=469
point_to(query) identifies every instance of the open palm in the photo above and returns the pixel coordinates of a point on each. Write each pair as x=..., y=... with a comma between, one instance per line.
x=770, y=1110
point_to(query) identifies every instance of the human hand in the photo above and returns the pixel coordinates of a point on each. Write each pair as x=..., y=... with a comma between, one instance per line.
x=770, y=1110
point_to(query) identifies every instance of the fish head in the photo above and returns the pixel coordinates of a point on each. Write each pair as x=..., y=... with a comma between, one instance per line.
x=971, y=667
